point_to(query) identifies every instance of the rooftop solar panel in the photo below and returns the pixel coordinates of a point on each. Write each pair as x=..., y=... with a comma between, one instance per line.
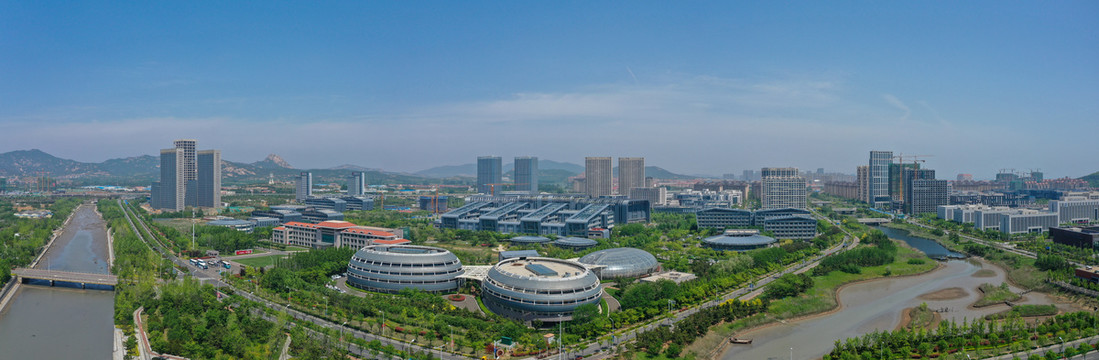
x=540, y=270
x=408, y=250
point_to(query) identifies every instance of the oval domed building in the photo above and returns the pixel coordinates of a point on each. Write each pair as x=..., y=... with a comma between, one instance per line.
x=575, y=243
x=739, y=240
x=529, y=240
x=392, y=268
x=620, y=262
x=539, y=288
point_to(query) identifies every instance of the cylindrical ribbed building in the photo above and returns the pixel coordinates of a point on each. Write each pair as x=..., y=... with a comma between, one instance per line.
x=620, y=262
x=391, y=268
x=530, y=240
x=739, y=240
x=575, y=243
x=539, y=288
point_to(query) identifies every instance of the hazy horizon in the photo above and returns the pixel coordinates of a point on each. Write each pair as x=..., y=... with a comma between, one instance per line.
x=695, y=88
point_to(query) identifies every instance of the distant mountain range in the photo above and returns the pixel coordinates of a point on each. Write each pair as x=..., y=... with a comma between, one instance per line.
x=470, y=170
x=142, y=170
x=563, y=168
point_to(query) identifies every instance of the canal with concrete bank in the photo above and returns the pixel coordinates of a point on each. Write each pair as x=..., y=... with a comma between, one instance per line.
x=43, y=322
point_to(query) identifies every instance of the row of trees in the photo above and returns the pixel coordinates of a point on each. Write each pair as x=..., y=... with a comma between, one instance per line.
x=694, y=326
x=22, y=239
x=1011, y=334
x=186, y=318
x=852, y=261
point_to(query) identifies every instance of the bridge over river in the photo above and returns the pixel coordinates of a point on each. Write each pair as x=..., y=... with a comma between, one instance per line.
x=65, y=276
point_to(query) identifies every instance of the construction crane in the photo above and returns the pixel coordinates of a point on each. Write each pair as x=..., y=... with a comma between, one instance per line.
x=434, y=201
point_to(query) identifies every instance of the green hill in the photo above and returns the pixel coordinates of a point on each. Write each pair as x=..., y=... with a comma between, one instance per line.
x=1093, y=179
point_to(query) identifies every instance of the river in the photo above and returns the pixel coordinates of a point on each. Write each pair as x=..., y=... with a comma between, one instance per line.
x=878, y=305
x=43, y=322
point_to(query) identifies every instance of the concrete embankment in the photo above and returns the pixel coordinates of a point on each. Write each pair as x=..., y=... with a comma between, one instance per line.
x=12, y=286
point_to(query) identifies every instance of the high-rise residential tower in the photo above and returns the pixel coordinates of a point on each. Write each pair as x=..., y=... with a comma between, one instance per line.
x=922, y=193
x=356, y=184
x=897, y=179
x=878, y=190
x=187, y=178
x=489, y=171
x=188, y=147
x=598, y=176
x=170, y=193
x=304, y=186
x=863, y=179
x=526, y=174
x=631, y=174
x=782, y=188
x=208, y=173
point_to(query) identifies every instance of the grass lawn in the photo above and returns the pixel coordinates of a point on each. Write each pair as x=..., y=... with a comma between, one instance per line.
x=261, y=261
x=181, y=225
x=1026, y=310
x=992, y=294
x=295, y=248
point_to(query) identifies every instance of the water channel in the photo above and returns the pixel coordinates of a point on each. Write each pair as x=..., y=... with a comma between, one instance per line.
x=879, y=305
x=43, y=322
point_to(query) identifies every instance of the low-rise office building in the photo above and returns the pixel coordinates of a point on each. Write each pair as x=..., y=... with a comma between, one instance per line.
x=1075, y=211
x=788, y=223
x=1082, y=237
x=321, y=215
x=335, y=234
x=282, y=216
x=1027, y=221
x=263, y=221
x=329, y=203
x=791, y=227
x=238, y=225
x=544, y=215
x=988, y=218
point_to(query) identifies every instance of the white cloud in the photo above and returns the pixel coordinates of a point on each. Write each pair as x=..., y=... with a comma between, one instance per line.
x=897, y=103
x=693, y=124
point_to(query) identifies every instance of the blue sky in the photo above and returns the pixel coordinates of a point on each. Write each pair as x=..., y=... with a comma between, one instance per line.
x=695, y=87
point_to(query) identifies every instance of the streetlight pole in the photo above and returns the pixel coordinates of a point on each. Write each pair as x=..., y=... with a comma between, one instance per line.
x=561, y=336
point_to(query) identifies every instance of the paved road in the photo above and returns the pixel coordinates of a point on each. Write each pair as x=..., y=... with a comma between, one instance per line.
x=1038, y=353
x=213, y=279
x=210, y=276
x=596, y=350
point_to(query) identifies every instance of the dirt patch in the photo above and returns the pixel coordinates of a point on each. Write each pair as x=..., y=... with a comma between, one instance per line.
x=984, y=273
x=953, y=293
x=906, y=319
